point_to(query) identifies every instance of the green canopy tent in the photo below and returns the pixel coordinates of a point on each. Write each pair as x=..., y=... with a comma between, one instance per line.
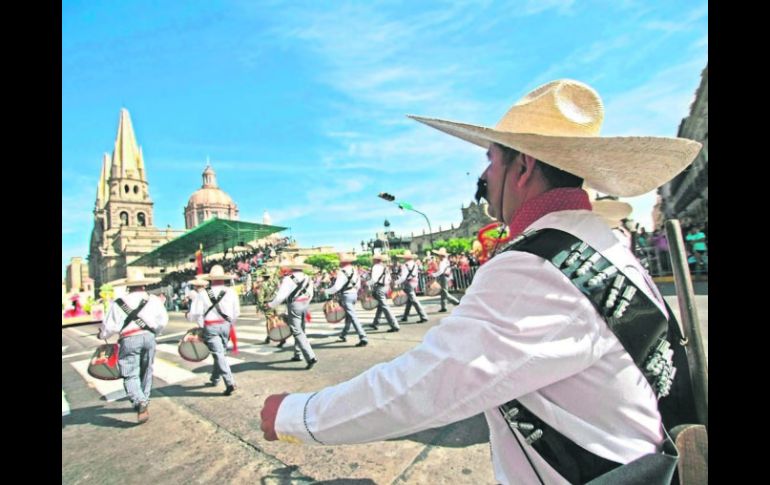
x=215, y=236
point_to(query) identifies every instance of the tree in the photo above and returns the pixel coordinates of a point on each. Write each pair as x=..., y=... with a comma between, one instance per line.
x=325, y=261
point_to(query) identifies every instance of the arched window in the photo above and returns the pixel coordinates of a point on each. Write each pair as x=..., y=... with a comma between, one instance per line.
x=140, y=219
x=136, y=189
x=125, y=188
x=124, y=217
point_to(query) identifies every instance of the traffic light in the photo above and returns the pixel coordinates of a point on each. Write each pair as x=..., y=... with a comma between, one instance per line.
x=386, y=196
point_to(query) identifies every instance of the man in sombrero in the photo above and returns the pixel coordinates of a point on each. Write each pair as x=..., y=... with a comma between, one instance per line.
x=137, y=318
x=443, y=275
x=216, y=310
x=538, y=342
x=408, y=278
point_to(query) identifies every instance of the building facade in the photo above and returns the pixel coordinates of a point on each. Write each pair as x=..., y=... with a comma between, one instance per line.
x=123, y=213
x=686, y=196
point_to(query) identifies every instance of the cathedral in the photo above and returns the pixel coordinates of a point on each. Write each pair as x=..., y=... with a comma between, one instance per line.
x=123, y=219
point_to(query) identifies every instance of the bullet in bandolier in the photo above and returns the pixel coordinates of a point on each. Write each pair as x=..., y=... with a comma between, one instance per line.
x=521, y=426
x=510, y=414
x=574, y=255
x=534, y=436
x=617, y=283
x=625, y=300
x=588, y=264
x=602, y=276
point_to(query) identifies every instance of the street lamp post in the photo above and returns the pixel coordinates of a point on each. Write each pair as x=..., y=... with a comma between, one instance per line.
x=406, y=205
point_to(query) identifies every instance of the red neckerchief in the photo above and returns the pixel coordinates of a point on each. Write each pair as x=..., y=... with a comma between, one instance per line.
x=554, y=200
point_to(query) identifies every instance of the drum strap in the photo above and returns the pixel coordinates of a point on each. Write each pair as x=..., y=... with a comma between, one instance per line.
x=133, y=315
x=643, y=330
x=350, y=282
x=381, y=279
x=215, y=303
x=300, y=289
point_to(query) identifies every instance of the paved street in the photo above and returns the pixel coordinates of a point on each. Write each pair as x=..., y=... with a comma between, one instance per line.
x=197, y=435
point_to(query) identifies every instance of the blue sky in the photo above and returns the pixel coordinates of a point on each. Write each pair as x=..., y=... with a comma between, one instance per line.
x=301, y=105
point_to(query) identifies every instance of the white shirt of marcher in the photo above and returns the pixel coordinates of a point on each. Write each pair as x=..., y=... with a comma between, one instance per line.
x=377, y=278
x=443, y=268
x=154, y=315
x=342, y=277
x=229, y=305
x=288, y=286
x=522, y=331
x=406, y=268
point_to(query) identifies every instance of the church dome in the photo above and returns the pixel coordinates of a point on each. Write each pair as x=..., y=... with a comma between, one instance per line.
x=210, y=196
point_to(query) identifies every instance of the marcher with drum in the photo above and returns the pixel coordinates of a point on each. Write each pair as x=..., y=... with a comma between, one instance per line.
x=408, y=279
x=216, y=311
x=347, y=284
x=138, y=318
x=379, y=283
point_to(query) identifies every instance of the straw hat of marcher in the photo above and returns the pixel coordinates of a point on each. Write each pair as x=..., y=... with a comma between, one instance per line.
x=347, y=258
x=198, y=282
x=406, y=255
x=612, y=211
x=135, y=277
x=380, y=257
x=217, y=273
x=288, y=264
x=559, y=122
x=441, y=252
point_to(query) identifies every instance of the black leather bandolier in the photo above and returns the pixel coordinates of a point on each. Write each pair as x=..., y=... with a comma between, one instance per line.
x=133, y=315
x=299, y=290
x=349, y=283
x=215, y=303
x=647, y=336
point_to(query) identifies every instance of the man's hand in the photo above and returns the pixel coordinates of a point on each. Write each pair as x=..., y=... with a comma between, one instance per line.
x=268, y=415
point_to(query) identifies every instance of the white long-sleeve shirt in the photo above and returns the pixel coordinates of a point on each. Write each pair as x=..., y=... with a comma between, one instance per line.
x=443, y=268
x=522, y=331
x=229, y=305
x=342, y=277
x=154, y=315
x=409, y=267
x=377, y=275
x=288, y=286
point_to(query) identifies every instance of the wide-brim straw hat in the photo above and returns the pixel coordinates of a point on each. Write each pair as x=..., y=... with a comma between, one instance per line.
x=406, y=255
x=440, y=252
x=380, y=257
x=136, y=278
x=559, y=123
x=198, y=282
x=347, y=258
x=294, y=266
x=612, y=211
x=217, y=273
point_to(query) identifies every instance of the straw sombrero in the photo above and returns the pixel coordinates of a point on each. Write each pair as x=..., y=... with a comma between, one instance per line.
x=559, y=123
x=217, y=273
x=287, y=264
x=612, y=211
x=380, y=257
x=347, y=258
x=136, y=277
x=406, y=255
x=441, y=252
x=198, y=282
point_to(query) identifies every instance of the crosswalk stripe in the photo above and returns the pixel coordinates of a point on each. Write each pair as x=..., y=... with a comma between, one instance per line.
x=110, y=390
x=171, y=373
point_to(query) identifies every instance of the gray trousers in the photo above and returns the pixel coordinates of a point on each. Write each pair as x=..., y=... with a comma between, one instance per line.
x=380, y=295
x=135, y=359
x=412, y=302
x=442, y=280
x=216, y=337
x=348, y=302
x=297, y=311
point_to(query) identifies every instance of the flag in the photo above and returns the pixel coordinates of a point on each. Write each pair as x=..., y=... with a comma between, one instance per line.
x=199, y=260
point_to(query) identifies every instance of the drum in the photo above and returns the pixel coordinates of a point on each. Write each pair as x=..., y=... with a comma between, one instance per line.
x=399, y=298
x=193, y=347
x=333, y=312
x=277, y=328
x=367, y=300
x=104, y=363
x=434, y=289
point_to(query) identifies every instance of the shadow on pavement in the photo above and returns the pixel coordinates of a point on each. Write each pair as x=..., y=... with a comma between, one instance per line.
x=463, y=433
x=97, y=415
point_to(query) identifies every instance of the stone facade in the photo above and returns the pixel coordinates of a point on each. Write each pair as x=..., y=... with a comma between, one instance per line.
x=123, y=213
x=686, y=197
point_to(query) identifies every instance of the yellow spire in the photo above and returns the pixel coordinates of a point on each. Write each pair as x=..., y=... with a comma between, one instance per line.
x=127, y=161
x=102, y=191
